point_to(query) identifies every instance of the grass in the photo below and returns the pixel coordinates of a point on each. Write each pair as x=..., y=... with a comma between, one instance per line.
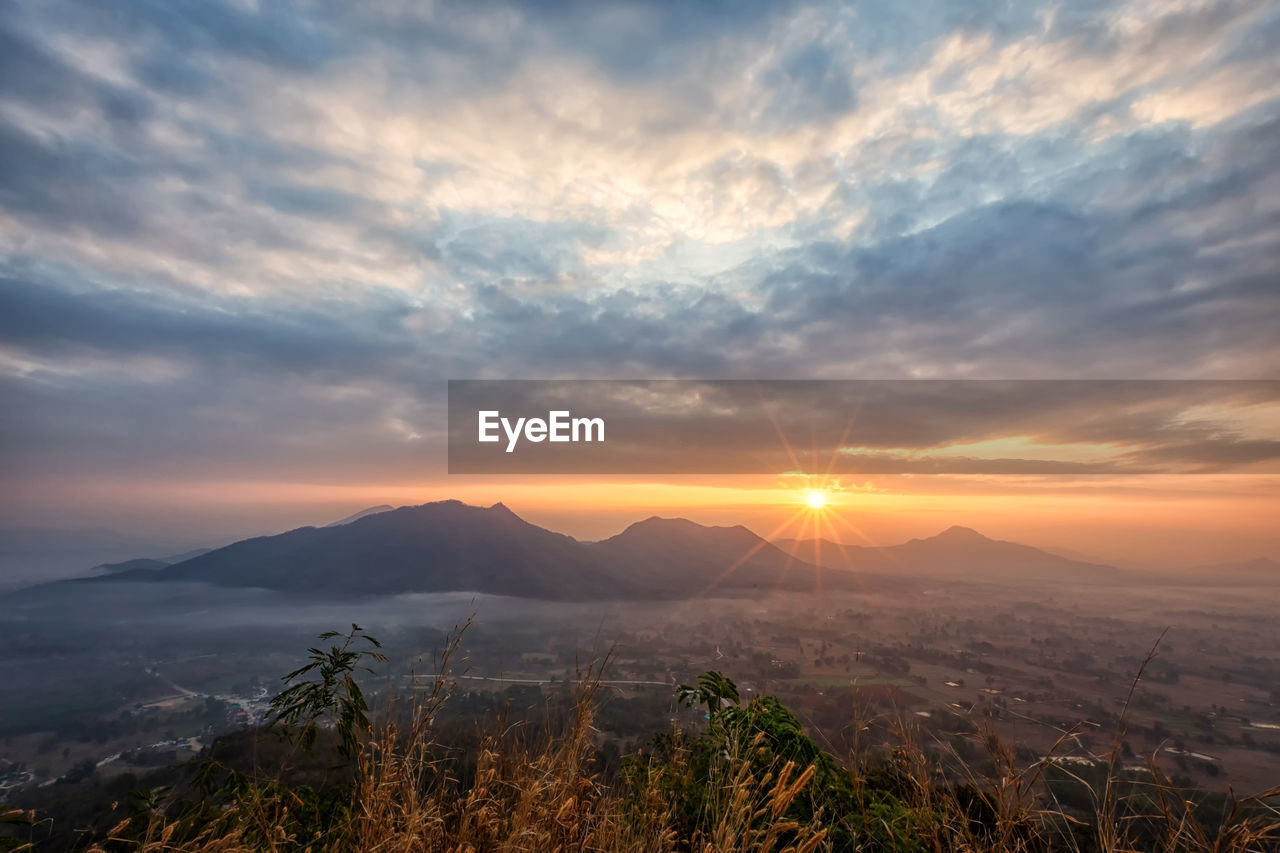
x=752, y=781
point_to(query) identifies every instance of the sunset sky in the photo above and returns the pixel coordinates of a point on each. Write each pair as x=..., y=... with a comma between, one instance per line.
x=243, y=245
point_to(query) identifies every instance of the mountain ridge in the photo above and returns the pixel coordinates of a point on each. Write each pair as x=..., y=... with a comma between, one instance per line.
x=450, y=546
x=956, y=552
x=356, y=516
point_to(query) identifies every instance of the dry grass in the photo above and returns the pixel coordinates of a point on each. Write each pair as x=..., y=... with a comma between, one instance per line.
x=549, y=797
x=1022, y=815
x=520, y=800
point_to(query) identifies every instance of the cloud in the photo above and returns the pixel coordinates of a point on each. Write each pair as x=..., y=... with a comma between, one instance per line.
x=35, y=76
x=837, y=428
x=225, y=202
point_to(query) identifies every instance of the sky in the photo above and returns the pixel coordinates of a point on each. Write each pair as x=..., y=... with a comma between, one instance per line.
x=243, y=246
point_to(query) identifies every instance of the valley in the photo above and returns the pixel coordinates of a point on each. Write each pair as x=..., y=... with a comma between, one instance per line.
x=132, y=670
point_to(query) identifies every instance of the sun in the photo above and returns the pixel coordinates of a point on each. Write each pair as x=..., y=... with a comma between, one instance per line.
x=816, y=499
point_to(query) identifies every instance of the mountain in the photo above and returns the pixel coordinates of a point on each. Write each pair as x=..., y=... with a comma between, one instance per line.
x=373, y=510
x=667, y=554
x=435, y=547
x=141, y=564
x=957, y=552
x=826, y=552
x=32, y=555
x=449, y=546
x=1261, y=571
x=960, y=550
x=185, y=555
x=147, y=564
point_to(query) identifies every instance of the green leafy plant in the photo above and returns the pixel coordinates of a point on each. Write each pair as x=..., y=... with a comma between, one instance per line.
x=713, y=690
x=757, y=740
x=325, y=688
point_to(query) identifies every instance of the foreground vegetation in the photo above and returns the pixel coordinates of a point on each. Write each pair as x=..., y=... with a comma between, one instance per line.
x=749, y=779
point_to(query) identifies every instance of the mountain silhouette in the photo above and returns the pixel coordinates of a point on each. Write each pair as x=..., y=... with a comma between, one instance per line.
x=141, y=564
x=449, y=546
x=666, y=554
x=957, y=553
x=435, y=547
x=356, y=516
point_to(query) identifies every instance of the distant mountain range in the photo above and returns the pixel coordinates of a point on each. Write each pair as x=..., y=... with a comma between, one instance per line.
x=957, y=552
x=148, y=563
x=960, y=552
x=31, y=555
x=450, y=546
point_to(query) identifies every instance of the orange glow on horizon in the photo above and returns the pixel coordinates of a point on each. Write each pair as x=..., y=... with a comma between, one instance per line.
x=1180, y=519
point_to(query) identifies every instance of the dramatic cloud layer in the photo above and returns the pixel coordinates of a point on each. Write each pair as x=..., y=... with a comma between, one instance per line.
x=240, y=237
x=835, y=428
